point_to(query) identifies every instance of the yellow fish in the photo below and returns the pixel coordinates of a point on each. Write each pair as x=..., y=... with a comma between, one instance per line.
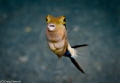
x=56, y=34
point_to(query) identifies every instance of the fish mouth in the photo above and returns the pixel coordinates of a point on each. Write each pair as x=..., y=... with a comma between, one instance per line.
x=51, y=27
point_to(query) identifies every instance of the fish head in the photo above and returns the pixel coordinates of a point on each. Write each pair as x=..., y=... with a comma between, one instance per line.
x=55, y=23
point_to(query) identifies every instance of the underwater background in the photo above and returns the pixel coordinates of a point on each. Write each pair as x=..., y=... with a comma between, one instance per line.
x=25, y=56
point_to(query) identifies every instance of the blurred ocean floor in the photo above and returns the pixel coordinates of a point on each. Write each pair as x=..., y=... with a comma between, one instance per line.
x=25, y=56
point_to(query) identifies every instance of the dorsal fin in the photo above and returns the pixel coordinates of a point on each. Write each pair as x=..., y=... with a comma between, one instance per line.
x=77, y=46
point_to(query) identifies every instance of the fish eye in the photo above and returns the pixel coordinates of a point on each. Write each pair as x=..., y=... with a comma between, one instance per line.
x=46, y=19
x=64, y=19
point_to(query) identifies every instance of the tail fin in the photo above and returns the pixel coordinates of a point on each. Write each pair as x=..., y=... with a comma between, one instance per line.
x=76, y=64
x=77, y=46
x=68, y=54
x=73, y=53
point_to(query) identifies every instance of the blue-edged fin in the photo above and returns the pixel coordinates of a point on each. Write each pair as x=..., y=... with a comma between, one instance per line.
x=67, y=54
x=76, y=64
x=77, y=46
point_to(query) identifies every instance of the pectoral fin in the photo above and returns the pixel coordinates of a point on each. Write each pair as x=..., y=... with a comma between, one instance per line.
x=77, y=46
x=76, y=64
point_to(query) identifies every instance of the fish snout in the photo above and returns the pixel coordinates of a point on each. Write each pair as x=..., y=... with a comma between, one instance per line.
x=51, y=27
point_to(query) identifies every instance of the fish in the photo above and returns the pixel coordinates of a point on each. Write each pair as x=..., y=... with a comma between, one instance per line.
x=56, y=35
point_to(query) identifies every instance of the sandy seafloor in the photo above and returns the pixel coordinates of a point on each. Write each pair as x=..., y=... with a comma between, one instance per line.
x=24, y=53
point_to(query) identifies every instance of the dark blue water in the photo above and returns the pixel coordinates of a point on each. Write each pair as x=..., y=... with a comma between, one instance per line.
x=25, y=56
